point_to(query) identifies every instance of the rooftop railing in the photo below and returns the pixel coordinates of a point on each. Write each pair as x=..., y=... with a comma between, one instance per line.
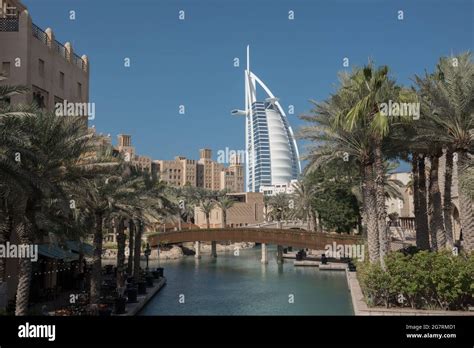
x=9, y=24
x=58, y=47
x=40, y=34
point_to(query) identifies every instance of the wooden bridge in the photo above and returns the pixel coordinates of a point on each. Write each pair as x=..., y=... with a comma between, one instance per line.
x=285, y=237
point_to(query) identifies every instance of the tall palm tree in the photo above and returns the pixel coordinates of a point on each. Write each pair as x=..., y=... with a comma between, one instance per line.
x=207, y=204
x=420, y=201
x=13, y=141
x=225, y=203
x=54, y=161
x=374, y=88
x=303, y=195
x=447, y=103
x=206, y=207
x=280, y=207
x=333, y=142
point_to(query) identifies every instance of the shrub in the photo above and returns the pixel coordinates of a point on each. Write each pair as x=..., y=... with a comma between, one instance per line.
x=419, y=280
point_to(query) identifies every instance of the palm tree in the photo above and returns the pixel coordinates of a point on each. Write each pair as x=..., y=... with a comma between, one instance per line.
x=420, y=201
x=266, y=204
x=225, y=203
x=374, y=88
x=447, y=103
x=406, y=143
x=334, y=142
x=13, y=141
x=54, y=160
x=303, y=196
x=280, y=207
x=150, y=204
x=131, y=246
x=207, y=204
x=206, y=207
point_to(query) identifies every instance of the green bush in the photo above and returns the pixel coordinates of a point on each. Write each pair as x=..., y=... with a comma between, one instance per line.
x=419, y=280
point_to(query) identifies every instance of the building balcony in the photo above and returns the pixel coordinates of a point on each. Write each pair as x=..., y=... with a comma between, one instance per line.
x=9, y=24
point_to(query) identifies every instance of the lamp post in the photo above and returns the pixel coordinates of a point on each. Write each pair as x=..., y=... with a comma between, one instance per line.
x=147, y=254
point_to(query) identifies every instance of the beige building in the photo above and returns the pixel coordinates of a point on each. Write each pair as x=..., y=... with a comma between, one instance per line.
x=32, y=57
x=53, y=73
x=404, y=208
x=208, y=171
x=232, y=178
x=173, y=172
x=247, y=210
x=204, y=172
x=125, y=147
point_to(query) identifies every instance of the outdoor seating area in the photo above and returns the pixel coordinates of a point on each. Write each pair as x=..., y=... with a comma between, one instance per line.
x=74, y=302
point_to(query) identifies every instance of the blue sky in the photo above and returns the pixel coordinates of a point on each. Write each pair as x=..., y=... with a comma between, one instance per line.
x=190, y=62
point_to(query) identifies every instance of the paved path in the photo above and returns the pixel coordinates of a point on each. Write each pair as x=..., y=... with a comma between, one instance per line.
x=133, y=308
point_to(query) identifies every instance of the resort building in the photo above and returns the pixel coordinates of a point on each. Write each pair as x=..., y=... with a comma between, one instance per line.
x=272, y=152
x=125, y=147
x=204, y=172
x=232, y=177
x=177, y=172
x=53, y=73
x=247, y=210
x=182, y=171
x=32, y=57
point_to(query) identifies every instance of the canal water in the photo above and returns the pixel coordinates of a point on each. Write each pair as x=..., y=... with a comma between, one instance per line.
x=241, y=285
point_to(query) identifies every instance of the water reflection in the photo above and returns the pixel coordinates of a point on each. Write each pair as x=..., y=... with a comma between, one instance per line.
x=231, y=285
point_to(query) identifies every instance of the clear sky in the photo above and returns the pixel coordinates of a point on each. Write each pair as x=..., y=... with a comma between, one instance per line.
x=191, y=62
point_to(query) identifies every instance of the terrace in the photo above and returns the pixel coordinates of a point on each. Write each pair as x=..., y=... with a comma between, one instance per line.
x=58, y=47
x=12, y=24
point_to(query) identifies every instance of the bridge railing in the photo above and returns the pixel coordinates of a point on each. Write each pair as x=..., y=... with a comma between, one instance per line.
x=288, y=237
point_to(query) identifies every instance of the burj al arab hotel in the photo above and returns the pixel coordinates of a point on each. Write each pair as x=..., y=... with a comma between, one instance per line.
x=272, y=152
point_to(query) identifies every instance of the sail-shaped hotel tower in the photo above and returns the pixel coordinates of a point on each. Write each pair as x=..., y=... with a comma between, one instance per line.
x=272, y=152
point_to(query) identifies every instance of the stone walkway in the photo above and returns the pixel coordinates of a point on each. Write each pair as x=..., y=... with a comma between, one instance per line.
x=133, y=308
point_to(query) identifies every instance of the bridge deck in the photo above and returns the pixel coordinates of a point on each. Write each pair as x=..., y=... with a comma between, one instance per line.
x=285, y=237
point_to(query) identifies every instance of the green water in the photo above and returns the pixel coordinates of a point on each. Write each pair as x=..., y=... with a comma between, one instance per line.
x=241, y=285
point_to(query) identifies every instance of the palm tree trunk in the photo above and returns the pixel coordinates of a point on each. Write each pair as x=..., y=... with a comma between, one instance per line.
x=213, y=243
x=435, y=210
x=5, y=228
x=466, y=210
x=447, y=200
x=420, y=202
x=138, y=247
x=318, y=223
x=120, y=253
x=313, y=220
x=131, y=238
x=96, y=276
x=368, y=193
x=380, y=204
x=24, y=230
